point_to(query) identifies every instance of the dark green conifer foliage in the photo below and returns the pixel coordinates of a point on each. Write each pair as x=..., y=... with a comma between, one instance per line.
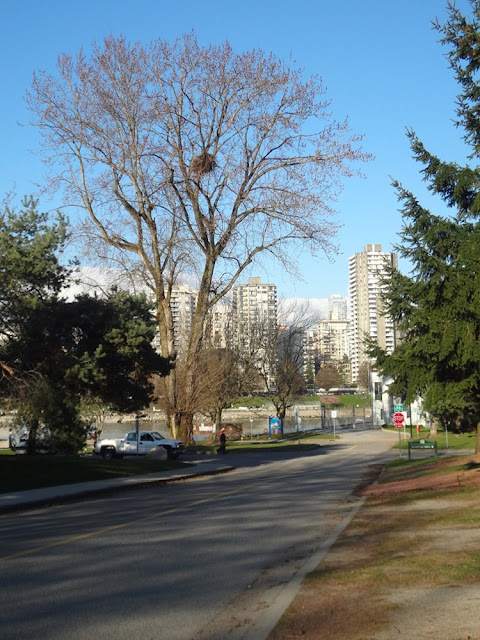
x=437, y=306
x=56, y=355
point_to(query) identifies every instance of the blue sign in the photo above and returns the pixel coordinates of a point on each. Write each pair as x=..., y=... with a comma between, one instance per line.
x=275, y=426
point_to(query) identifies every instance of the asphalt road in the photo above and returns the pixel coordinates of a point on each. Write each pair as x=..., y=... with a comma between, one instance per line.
x=191, y=560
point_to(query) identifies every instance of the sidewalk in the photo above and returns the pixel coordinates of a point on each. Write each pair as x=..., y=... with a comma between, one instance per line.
x=15, y=501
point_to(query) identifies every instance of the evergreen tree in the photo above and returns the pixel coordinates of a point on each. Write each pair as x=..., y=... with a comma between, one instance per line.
x=437, y=307
x=112, y=360
x=56, y=354
x=30, y=272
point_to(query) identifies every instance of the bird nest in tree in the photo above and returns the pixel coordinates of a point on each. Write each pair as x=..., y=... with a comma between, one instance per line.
x=203, y=164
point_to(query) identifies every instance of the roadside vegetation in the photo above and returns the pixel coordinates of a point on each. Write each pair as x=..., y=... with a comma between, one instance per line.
x=22, y=472
x=66, y=364
x=445, y=440
x=59, y=355
x=19, y=472
x=260, y=402
x=435, y=305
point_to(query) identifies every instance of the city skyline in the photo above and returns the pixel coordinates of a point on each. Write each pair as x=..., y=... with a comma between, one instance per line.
x=383, y=69
x=254, y=311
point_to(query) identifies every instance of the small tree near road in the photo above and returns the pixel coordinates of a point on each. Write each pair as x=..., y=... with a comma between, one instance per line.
x=280, y=355
x=328, y=376
x=225, y=374
x=364, y=375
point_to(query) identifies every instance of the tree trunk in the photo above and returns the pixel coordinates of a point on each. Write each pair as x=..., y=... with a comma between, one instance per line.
x=218, y=420
x=187, y=399
x=186, y=428
x=173, y=417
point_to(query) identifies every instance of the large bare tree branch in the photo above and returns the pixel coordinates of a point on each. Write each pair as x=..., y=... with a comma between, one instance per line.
x=195, y=159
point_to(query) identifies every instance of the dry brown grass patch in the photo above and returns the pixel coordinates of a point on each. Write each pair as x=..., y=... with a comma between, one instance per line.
x=424, y=543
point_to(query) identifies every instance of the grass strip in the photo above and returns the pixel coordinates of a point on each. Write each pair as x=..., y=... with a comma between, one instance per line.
x=22, y=472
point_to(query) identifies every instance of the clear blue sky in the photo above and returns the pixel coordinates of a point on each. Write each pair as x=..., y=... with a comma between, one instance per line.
x=380, y=61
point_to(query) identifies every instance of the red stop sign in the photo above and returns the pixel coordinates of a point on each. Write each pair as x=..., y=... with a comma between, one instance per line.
x=398, y=419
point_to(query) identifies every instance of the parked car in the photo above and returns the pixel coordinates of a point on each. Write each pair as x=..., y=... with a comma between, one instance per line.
x=18, y=441
x=131, y=445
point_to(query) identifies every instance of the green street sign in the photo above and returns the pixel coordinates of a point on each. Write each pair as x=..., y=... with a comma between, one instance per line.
x=398, y=408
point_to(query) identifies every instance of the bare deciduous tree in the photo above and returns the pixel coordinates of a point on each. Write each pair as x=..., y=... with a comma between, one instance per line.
x=280, y=355
x=329, y=376
x=364, y=376
x=226, y=373
x=192, y=159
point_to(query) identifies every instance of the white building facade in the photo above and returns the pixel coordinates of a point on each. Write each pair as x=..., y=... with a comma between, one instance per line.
x=365, y=273
x=219, y=326
x=254, y=309
x=183, y=303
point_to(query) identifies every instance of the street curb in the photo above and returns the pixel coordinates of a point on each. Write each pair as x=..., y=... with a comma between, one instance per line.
x=287, y=593
x=277, y=599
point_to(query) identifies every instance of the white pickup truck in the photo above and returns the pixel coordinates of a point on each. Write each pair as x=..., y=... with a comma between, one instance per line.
x=138, y=444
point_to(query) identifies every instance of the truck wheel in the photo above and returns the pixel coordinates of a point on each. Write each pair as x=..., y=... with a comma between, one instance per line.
x=108, y=453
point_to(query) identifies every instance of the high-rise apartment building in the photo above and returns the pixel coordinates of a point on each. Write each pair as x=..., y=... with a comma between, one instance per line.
x=254, y=308
x=183, y=303
x=337, y=307
x=334, y=340
x=219, y=326
x=365, y=273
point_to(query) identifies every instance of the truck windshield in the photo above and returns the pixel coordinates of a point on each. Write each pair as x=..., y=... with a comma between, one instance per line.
x=158, y=436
